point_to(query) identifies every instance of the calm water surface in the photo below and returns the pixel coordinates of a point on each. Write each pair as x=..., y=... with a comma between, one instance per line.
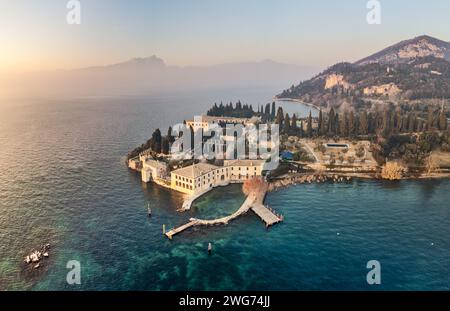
x=63, y=181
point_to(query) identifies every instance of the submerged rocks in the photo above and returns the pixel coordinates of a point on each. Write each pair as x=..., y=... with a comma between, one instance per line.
x=37, y=255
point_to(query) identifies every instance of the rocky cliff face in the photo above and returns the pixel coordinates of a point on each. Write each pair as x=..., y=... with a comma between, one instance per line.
x=333, y=80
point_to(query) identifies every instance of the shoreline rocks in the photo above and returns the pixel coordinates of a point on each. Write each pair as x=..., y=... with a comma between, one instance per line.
x=307, y=179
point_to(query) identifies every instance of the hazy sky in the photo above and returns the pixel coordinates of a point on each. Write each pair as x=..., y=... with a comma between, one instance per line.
x=34, y=34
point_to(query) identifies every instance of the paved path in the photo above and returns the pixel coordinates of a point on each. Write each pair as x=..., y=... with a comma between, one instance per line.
x=187, y=204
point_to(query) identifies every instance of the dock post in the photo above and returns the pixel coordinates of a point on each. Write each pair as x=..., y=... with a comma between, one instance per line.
x=164, y=228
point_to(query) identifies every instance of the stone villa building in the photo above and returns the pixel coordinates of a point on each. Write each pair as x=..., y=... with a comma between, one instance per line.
x=201, y=177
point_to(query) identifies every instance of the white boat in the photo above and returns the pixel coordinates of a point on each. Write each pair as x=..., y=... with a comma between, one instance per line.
x=149, y=210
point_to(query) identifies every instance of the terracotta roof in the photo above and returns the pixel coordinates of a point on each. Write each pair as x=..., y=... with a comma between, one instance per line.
x=155, y=164
x=196, y=170
x=244, y=162
x=212, y=119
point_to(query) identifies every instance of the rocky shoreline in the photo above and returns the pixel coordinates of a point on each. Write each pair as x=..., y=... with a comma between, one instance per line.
x=309, y=178
x=292, y=180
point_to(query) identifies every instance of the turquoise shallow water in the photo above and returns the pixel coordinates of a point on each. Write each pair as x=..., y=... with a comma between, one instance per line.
x=63, y=181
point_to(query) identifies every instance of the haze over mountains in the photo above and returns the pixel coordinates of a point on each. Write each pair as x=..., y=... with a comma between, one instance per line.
x=416, y=69
x=412, y=69
x=147, y=75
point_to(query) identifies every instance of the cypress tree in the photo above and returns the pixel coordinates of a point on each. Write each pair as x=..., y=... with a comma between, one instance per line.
x=363, y=124
x=398, y=121
x=287, y=124
x=442, y=123
x=301, y=132
x=294, y=123
x=156, y=141
x=391, y=122
x=343, y=125
x=267, y=111
x=331, y=120
x=280, y=117
x=169, y=135
x=386, y=122
x=336, y=124
x=351, y=124
x=411, y=121
x=320, y=125
x=404, y=127
x=323, y=128
x=309, y=131
x=430, y=118
x=370, y=126
x=165, y=145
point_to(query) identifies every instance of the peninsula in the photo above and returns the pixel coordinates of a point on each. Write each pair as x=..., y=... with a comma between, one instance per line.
x=374, y=121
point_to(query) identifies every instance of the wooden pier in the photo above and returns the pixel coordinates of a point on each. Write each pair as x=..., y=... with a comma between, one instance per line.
x=179, y=229
x=253, y=202
x=267, y=215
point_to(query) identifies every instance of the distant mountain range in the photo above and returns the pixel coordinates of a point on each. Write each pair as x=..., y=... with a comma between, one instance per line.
x=151, y=74
x=415, y=69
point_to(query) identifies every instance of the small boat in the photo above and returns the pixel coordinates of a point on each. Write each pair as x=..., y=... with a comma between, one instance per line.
x=209, y=247
x=149, y=210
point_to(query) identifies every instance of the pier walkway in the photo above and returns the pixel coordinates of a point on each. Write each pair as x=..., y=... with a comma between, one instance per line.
x=253, y=202
x=269, y=217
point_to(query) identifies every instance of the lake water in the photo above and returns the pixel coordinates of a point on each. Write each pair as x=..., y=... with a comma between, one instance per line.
x=63, y=181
